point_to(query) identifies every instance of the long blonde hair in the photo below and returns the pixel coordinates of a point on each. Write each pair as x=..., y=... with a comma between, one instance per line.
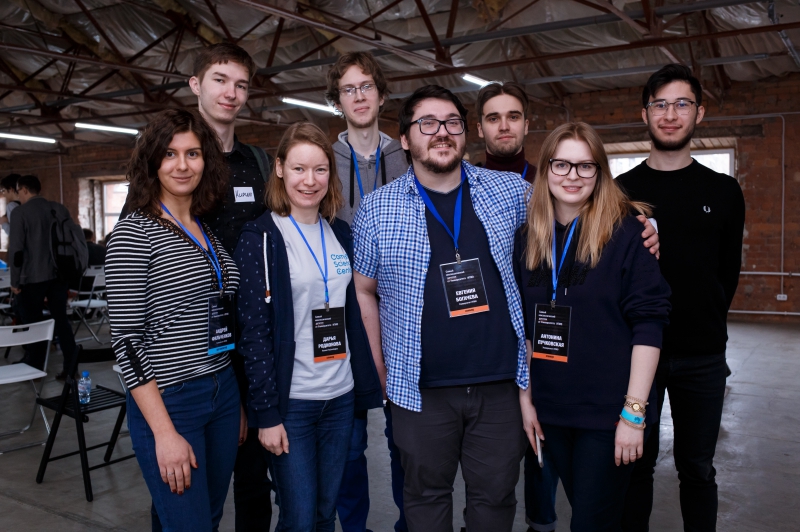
x=600, y=215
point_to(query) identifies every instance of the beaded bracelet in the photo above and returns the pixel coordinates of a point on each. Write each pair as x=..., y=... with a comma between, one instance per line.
x=633, y=425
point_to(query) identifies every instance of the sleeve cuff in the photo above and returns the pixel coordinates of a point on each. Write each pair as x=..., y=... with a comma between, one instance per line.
x=648, y=333
x=264, y=419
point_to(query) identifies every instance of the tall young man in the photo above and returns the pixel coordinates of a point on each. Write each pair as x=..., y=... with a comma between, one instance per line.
x=700, y=215
x=366, y=159
x=222, y=74
x=502, y=110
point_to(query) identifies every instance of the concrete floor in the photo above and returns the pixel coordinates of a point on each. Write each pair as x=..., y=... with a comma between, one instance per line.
x=758, y=455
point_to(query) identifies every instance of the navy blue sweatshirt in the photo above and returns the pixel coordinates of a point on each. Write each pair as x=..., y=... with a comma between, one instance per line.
x=267, y=329
x=622, y=302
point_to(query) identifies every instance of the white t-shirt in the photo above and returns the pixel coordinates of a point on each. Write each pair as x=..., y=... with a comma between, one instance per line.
x=315, y=380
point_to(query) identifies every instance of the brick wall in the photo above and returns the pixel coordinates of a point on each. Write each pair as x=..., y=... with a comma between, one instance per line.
x=758, y=164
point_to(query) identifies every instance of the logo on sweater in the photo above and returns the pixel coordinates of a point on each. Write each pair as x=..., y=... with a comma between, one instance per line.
x=706, y=209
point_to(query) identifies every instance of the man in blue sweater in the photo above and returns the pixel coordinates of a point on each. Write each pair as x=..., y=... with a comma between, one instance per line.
x=700, y=215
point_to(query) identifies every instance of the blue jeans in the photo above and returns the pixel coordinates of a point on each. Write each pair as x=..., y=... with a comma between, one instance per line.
x=690, y=381
x=541, y=484
x=205, y=411
x=307, y=478
x=352, y=505
x=594, y=484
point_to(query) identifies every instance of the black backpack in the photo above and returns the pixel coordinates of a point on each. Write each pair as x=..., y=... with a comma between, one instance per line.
x=68, y=245
x=264, y=161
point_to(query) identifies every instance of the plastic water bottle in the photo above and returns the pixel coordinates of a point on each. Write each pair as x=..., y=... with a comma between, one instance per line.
x=84, y=388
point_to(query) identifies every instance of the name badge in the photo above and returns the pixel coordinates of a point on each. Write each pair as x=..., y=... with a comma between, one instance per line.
x=244, y=194
x=551, y=332
x=329, y=334
x=463, y=287
x=221, y=324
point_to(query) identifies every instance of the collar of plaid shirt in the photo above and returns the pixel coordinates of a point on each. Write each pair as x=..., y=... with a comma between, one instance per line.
x=391, y=245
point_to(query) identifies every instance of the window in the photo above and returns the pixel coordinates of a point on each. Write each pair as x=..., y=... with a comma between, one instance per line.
x=114, y=195
x=719, y=160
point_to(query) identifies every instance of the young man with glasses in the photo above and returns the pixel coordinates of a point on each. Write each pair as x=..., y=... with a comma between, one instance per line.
x=700, y=215
x=502, y=109
x=366, y=159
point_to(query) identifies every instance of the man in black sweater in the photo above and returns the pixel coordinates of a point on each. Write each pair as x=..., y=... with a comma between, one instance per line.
x=502, y=110
x=700, y=216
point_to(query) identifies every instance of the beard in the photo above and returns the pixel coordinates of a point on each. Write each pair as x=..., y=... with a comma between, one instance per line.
x=420, y=153
x=673, y=144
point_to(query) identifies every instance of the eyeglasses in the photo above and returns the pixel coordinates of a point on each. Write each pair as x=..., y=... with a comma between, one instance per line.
x=562, y=168
x=681, y=106
x=431, y=126
x=365, y=89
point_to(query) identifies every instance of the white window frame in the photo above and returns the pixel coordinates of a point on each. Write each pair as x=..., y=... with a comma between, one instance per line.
x=731, y=152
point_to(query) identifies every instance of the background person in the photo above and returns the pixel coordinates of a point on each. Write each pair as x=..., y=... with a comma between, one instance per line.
x=502, y=110
x=590, y=292
x=8, y=187
x=306, y=352
x=700, y=215
x=34, y=275
x=171, y=288
x=357, y=88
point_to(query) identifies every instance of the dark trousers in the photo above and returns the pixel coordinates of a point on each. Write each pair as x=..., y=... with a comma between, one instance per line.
x=30, y=302
x=594, y=484
x=541, y=484
x=252, y=486
x=352, y=504
x=479, y=426
x=696, y=389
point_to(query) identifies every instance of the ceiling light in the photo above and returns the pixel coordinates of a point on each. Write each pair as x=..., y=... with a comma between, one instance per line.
x=475, y=79
x=310, y=105
x=26, y=137
x=107, y=128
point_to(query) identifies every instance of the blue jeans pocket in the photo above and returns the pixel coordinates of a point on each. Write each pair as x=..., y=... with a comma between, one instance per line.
x=172, y=390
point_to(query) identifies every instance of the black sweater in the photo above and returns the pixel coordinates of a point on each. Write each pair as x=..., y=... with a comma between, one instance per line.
x=700, y=216
x=620, y=303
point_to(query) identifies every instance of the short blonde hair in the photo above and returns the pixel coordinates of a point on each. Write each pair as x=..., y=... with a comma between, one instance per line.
x=276, y=197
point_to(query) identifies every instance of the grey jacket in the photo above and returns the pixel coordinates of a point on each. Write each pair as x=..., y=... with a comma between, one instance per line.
x=396, y=165
x=30, y=255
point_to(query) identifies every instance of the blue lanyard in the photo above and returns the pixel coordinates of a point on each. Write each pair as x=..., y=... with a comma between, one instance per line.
x=211, y=255
x=557, y=267
x=524, y=172
x=324, y=255
x=358, y=172
x=457, y=215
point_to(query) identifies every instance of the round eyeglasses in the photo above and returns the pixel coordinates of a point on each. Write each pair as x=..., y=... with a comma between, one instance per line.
x=560, y=167
x=682, y=106
x=365, y=89
x=431, y=126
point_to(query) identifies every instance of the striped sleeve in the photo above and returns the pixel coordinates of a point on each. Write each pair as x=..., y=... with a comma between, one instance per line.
x=126, y=267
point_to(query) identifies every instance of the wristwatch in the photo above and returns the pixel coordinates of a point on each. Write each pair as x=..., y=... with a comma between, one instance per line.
x=636, y=407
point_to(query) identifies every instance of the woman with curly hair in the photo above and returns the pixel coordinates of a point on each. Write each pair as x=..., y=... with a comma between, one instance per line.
x=171, y=289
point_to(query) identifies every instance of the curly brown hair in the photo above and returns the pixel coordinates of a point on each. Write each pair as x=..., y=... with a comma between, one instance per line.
x=151, y=146
x=275, y=196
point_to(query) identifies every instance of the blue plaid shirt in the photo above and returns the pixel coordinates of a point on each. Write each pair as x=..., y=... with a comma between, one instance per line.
x=392, y=246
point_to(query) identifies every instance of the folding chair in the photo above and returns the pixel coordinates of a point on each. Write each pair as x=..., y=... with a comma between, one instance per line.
x=16, y=335
x=92, y=301
x=68, y=404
